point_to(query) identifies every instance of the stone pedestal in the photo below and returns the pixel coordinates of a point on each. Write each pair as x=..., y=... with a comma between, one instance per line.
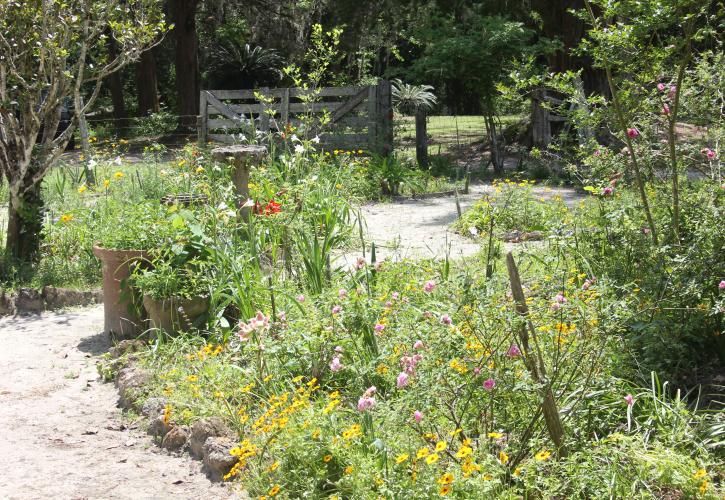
x=242, y=159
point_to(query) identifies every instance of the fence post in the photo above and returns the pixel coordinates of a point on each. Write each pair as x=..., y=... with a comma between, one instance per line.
x=263, y=115
x=85, y=146
x=384, y=118
x=373, y=118
x=203, y=127
x=284, y=107
x=421, y=138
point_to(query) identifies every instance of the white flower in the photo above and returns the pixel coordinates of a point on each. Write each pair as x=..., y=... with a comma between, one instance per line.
x=91, y=163
x=299, y=148
x=316, y=139
x=473, y=230
x=248, y=203
x=117, y=161
x=222, y=206
x=294, y=138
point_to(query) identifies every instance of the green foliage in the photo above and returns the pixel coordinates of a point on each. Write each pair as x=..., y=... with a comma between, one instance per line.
x=409, y=98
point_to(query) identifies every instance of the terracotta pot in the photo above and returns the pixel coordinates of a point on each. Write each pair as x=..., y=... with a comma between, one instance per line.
x=121, y=317
x=164, y=314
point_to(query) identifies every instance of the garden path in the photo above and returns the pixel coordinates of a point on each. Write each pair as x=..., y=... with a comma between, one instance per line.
x=420, y=228
x=61, y=434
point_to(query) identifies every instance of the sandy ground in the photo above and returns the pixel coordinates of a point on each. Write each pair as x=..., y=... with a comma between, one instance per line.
x=420, y=228
x=61, y=434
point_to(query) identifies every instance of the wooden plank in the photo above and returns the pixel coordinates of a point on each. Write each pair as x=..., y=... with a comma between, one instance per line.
x=220, y=106
x=204, y=122
x=356, y=140
x=421, y=138
x=372, y=116
x=385, y=118
x=314, y=107
x=216, y=123
x=349, y=105
x=284, y=107
x=226, y=139
x=354, y=122
x=326, y=91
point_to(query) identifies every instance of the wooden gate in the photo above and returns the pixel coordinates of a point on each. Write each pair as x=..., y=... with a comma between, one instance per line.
x=348, y=118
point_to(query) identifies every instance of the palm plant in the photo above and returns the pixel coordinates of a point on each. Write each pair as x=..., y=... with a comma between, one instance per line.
x=244, y=66
x=409, y=98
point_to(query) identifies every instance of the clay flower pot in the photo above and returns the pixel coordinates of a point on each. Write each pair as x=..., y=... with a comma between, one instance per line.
x=121, y=317
x=175, y=314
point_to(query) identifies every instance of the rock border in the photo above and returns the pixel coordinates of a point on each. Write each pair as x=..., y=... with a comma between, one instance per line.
x=31, y=301
x=208, y=439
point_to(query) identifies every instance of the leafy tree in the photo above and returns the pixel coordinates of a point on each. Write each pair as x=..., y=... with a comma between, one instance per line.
x=52, y=52
x=233, y=65
x=468, y=58
x=409, y=98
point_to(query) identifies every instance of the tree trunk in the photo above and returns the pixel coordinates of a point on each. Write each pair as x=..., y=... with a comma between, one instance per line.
x=183, y=14
x=148, y=96
x=25, y=223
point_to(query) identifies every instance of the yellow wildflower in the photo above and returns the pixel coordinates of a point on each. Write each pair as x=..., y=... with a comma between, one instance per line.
x=82, y=189
x=495, y=435
x=700, y=473
x=503, y=457
x=273, y=467
x=445, y=489
x=66, y=217
x=445, y=479
x=432, y=458
x=273, y=490
x=441, y=445
x=423, y=452
x=401, y=458
x=327, y=458
x=464, y=451
x=106, y=183
x=542, y=455
x=118, y=175
x=349, y=469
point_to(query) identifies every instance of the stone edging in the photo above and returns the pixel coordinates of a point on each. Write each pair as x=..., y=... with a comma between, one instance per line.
x=32, y=301
x=208, y=439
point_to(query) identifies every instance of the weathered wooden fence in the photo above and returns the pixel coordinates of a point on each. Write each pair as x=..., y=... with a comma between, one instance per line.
x=359, y=117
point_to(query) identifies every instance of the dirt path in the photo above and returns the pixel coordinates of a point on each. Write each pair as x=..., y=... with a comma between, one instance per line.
x=61, y=434
x=420, y=228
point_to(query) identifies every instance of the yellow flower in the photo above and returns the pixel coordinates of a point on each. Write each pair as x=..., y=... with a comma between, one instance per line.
x=327, y=458
x=495, y=435
x=423, y=452
x=349, y=469
x=118, y=175
x=401, y=458
x=700, y=473
x=106, y=183
x=82, y=189
x=456, y=432
x=441, y=445
x=199, y=169
x=273, y=490
x=445, y=479
x=432, y=458
x=273, y=467
x=542, y=455
x=192, y=378
x=445, y=489
x=464, y=451
x=66, y=217
x=517, y=472
x=703, y=486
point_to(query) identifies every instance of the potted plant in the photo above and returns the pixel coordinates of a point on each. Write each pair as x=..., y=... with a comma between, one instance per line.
x=124, y=238
x=176, y=298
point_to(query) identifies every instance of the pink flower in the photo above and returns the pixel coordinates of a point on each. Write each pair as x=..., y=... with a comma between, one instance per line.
x=597, y=152
x=335, y=364
x=379, y=327
x=446, y=320
x=665, y=110
x=513, y=352
x=632, y=132
x=360, y=263
x=477, y=371
x=645, y=230
x=342, y=293
x=661, y=87
x=418, y=344
x=560, y=298
x=389, y=304
x=629, y=399
x=555, y=306
x=489, y=384
x=586, y=285
x=282, y=316
x=709, y=153
x=365, y=403
x=429, y=286
x=402, y=380
x=418, y=416
x=259, y=323
x=671, y=93
x=428, y=314
x=300, y=298
x=721, y=286
x=607, y=191
x=395, y=295
x=336, y=309
x=338, y=349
